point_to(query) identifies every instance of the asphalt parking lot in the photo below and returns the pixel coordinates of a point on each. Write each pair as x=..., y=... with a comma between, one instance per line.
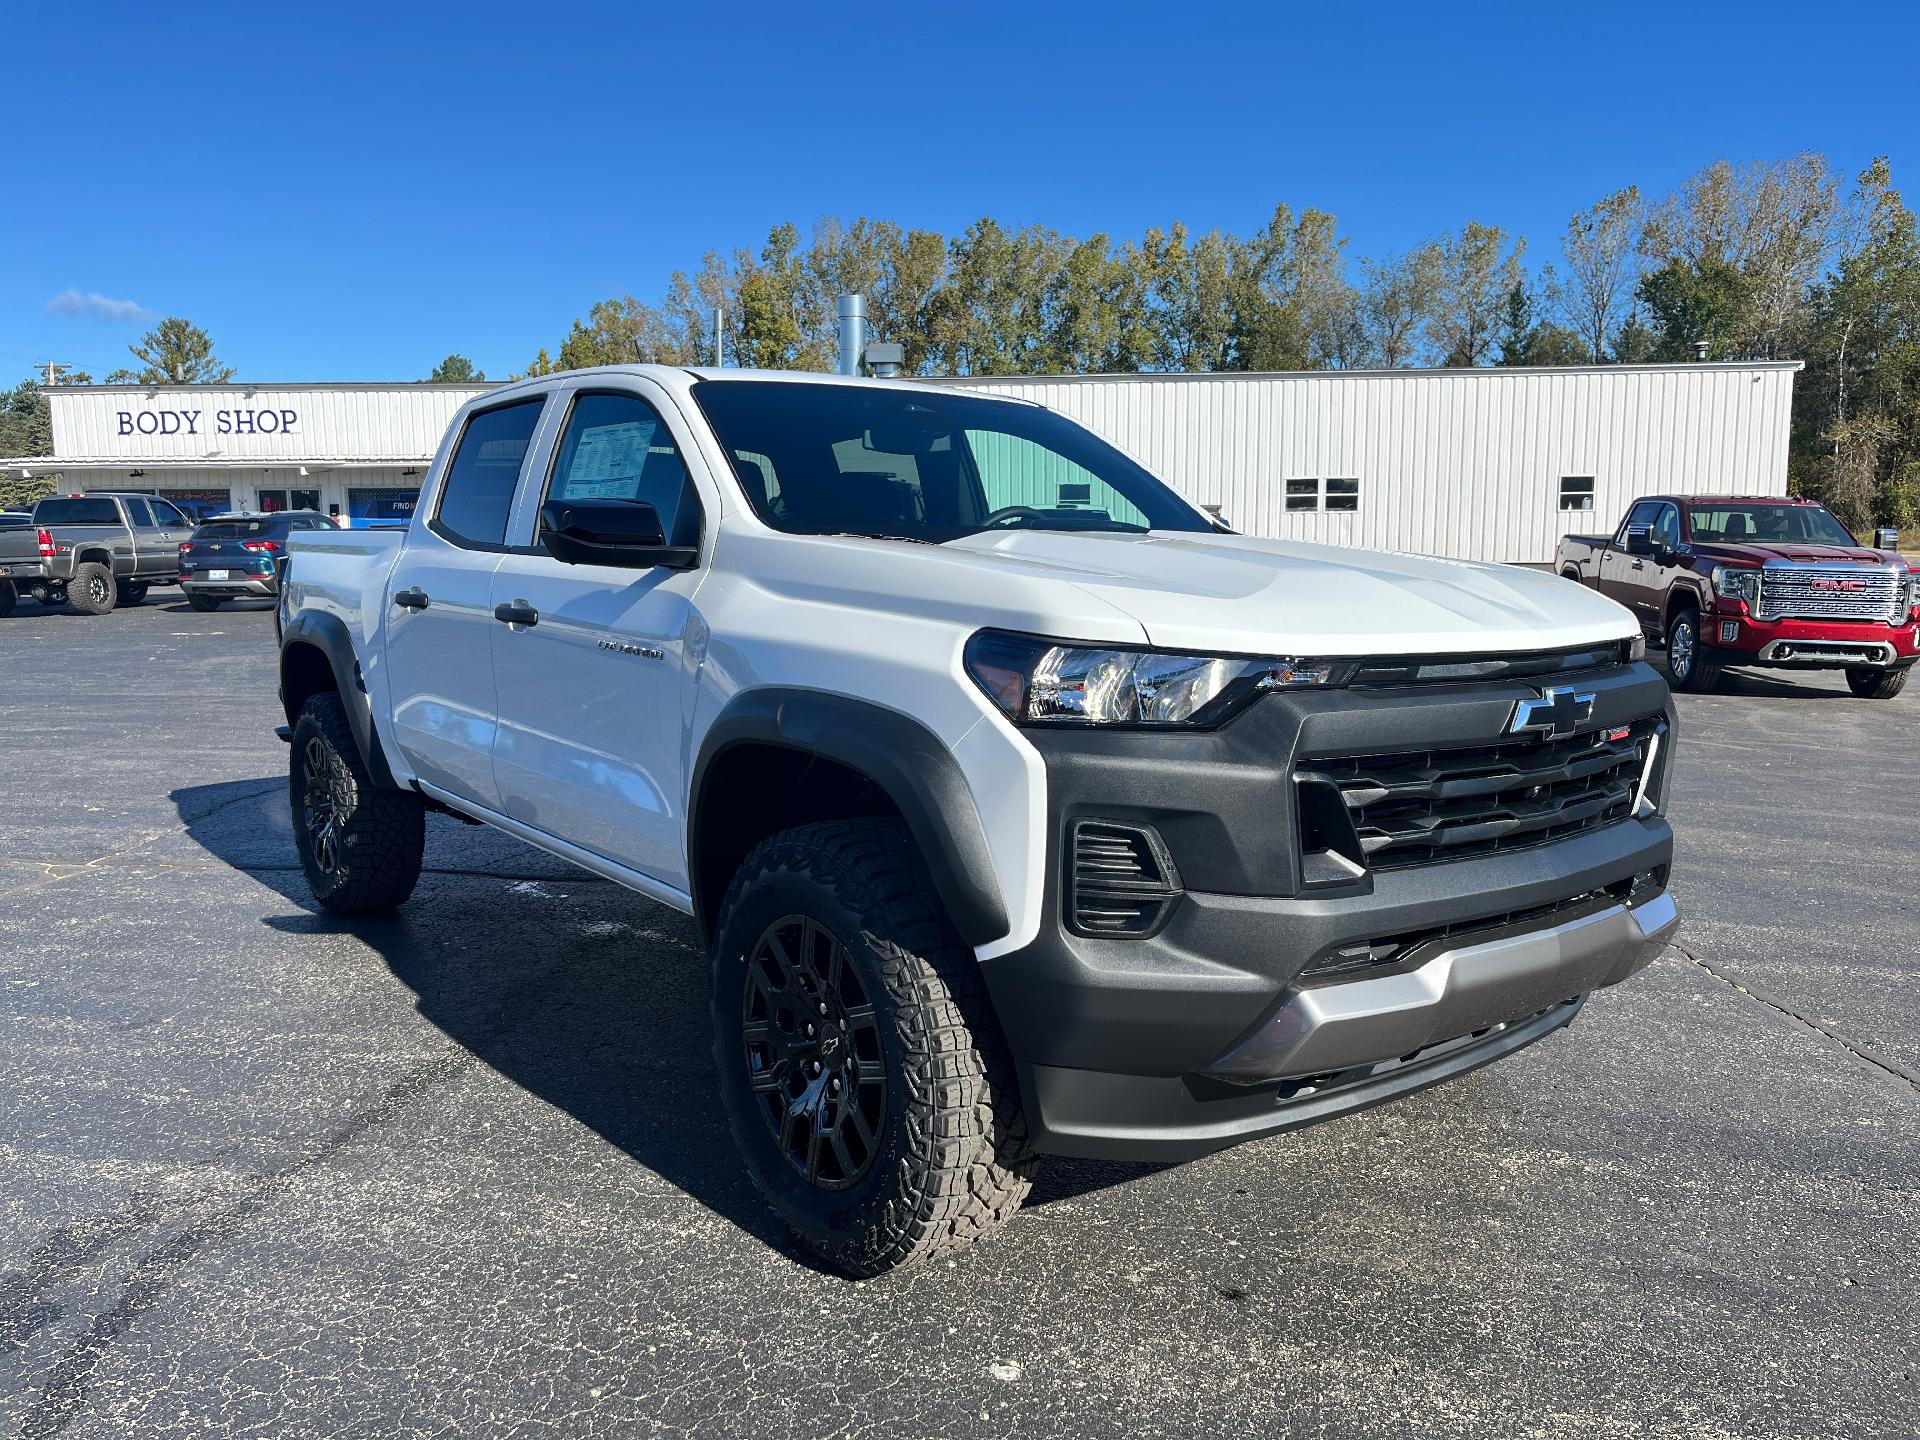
x=462, y=1172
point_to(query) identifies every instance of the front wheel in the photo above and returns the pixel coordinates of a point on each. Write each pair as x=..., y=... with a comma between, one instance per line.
x=861, y=1068
x=359, y=844
x=203, y=603
x=92, y=590
x=1871, y=684
x=1687, y=667
x=132, y=594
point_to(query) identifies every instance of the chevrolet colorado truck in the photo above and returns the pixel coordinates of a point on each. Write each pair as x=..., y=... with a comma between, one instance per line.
x=1755, y=580
x=107, y=548
x=1023, y=809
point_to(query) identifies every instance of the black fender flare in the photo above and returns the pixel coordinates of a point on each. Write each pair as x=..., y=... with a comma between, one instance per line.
x=900, y=756
x=328, y=634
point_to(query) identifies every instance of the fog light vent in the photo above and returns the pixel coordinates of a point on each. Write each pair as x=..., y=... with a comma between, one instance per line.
x=1120, y=882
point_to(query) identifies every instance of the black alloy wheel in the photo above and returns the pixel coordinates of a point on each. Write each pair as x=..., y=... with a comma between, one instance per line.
x=812, y=1041
x=322, y=803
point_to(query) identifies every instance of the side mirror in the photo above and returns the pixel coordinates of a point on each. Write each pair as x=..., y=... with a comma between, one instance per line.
x=626, y=533
x=1886, y=538
x=1639, y=540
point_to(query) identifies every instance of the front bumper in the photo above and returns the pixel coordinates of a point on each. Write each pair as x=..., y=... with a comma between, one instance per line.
x=1734, y=637
x=1226, y=1022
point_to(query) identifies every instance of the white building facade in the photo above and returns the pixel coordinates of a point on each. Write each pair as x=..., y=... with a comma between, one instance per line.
x=1473, y=464
x=357, y=452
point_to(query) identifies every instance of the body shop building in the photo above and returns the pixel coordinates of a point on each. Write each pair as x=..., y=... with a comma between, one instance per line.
x=356, y=452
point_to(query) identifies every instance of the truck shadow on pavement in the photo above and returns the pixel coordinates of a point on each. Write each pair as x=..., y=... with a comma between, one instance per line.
x=586, y=995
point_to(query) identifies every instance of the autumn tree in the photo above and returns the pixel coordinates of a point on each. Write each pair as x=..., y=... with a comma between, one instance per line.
x=1478, y=270
x=1601, y=251
x=1397, y=300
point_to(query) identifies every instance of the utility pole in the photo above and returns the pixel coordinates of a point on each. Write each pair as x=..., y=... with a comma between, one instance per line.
x=54, y=367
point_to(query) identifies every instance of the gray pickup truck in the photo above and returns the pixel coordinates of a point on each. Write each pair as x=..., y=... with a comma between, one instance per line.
x=93, y=551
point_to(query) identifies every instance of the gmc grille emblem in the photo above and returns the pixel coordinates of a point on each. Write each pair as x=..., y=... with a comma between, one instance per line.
x=1555, y=713
x=1822, y=583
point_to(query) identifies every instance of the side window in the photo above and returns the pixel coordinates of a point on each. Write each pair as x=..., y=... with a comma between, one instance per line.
x=477, y=494
x=1303, y=493
x=166, y=516
x=138, y=515
x=1343, y=494
x=1641, y=514
x=1666, y=527
x=616, y=447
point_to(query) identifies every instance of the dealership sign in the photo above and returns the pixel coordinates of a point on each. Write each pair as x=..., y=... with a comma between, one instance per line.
x=250, y=421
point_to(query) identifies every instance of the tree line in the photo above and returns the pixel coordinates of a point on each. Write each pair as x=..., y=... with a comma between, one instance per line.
x=1777, y=260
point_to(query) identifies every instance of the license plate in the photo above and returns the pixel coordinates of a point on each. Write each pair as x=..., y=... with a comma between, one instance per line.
x=219, y=575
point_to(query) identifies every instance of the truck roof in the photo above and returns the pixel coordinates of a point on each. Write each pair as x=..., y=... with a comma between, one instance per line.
x=1745, y=500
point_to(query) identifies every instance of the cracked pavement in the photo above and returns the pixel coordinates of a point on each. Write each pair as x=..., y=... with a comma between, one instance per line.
x=461, y=1172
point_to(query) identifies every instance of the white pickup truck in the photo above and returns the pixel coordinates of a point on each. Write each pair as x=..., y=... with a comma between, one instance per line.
x=1026, y=810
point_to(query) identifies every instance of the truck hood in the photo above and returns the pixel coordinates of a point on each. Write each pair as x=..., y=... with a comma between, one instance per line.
x=1755, y=554
x=1237, y=594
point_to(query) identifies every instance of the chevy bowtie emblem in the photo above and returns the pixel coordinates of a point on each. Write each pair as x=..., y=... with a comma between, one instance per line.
x=1555, y=713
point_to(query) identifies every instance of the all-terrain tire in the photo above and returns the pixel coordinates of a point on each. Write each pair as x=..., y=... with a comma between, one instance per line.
x=949, y=1160
x=204, y=602
x=9, y=597
x=132, y=594
x=360, y=844
x=1688, y=668
x=1872, y=684
x=92, y=590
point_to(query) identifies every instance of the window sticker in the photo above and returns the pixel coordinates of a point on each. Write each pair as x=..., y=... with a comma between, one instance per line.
x=608, y=460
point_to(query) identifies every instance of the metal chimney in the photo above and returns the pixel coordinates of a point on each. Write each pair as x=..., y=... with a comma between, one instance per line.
x=853, y=332
x=1700, y=351
x=885, y=361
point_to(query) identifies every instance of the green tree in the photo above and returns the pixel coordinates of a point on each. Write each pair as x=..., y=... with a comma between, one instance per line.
x=1688, y=302
x=1517, y=327
x=1398, y=297
x=1478, y=271
x=176, y=352
x=455, y=370
x=1600, y=247
x=26, y=433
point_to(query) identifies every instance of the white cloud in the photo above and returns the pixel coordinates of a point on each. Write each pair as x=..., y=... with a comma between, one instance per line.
x=96, y=306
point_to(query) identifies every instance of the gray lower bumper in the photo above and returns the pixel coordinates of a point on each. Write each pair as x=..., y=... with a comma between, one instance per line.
x=1460, y=991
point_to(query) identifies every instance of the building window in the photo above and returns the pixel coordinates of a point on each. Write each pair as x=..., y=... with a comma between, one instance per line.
x=1343, y=494
x=1303, y=494
x=1576, y=492
x=381, y=506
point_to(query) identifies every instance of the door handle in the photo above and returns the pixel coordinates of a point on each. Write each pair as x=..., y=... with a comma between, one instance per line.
x=518, y=613
x=413, y=599
x=1639, y=564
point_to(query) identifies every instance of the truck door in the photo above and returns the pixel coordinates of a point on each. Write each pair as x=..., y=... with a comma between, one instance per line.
x=1619, y=571
x=597, y=676
x=174, y=528
x=439, y=608
x=149, y=540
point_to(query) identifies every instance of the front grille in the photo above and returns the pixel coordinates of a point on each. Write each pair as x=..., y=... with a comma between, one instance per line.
x=1829, y=592
x=1417, y=807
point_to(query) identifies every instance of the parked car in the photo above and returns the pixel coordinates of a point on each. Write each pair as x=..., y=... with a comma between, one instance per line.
x=1756, y=580
x=16, y=519
x=1023, y=809
x=108, y=548
x=238, y=555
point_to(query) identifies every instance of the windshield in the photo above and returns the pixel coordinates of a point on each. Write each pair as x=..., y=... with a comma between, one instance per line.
x=76, y=512
x=825, y=459
x=1766, y=524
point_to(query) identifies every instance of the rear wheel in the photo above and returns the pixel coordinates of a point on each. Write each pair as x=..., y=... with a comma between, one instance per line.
x=92, y=590
x=9, y=597
x=1687, y=667
x=359, y=843
x=861, y=1067
x=204, y=602
x=1871, y=684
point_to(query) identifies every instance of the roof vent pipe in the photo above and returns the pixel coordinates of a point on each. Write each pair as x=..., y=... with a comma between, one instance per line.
x=853, y=332
x=1700, y=351
x=885, y=361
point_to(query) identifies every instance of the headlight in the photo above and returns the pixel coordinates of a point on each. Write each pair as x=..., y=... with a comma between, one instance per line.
x=1037, y=681
x=1734, y=583
x=1636, y=647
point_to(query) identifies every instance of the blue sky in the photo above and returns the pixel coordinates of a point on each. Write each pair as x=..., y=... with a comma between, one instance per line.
x=343, y=192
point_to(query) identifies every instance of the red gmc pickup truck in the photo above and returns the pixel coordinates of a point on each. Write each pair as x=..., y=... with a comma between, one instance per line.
x=1752, y=580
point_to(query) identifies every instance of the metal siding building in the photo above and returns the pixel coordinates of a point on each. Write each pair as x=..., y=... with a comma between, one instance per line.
x=1463, y=463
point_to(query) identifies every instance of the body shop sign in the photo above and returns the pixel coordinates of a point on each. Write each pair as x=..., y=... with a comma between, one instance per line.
x=249, y=421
